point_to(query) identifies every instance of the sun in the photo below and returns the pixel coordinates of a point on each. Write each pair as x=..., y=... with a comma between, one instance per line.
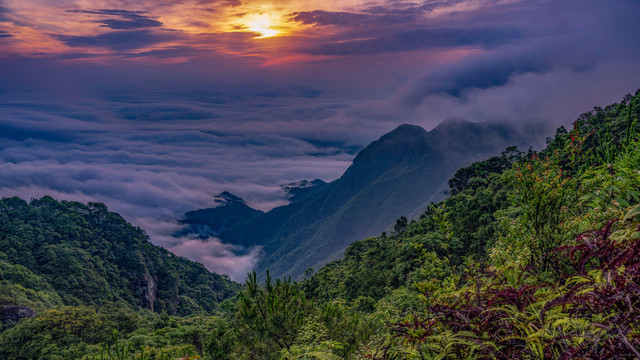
x=264, y=24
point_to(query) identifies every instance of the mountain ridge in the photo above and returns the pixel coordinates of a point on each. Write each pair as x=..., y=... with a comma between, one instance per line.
x=396, y=175
x=229, y=210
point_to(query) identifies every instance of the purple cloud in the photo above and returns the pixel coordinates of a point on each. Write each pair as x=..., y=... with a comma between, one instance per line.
x=126, y=19
x=341, y=18
x=120, y=40
x=421, y=40
x=3, y=11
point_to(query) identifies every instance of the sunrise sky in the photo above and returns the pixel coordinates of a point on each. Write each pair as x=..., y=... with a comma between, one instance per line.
x=155, y=106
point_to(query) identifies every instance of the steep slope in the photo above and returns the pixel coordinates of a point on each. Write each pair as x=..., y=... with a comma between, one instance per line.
x=67, y=253
x=397, y=175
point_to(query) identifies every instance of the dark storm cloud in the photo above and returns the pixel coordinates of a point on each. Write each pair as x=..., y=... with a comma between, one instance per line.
x=421, y=40
x=119, y=40
x=128, y=20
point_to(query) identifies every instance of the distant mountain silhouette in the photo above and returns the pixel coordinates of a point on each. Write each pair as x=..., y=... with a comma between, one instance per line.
x=300, y=190
x=229, y=210
x=396, y=175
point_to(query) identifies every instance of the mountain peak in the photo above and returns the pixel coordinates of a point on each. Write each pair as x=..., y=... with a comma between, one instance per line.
x=302, y=184
x=225, y=198
x=407, y=127
x=228, y=210
x=300, y=190
x=404, y=140
x=404, y=136
x=405, y=131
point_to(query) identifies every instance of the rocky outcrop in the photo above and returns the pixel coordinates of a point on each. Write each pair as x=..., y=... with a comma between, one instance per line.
x=150, y=290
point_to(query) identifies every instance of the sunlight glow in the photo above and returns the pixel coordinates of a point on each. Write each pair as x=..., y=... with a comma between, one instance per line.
x=263, y=24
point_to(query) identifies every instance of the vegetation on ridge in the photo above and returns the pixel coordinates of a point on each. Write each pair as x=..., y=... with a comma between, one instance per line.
x=66, y=253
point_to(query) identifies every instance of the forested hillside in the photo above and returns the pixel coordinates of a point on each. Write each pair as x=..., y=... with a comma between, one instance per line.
x=533, y=255
x=66, y=253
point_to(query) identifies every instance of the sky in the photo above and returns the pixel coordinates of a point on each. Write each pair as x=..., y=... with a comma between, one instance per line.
x=155, y=106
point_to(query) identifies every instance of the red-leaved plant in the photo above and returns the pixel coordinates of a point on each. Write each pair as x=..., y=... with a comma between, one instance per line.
x=594, y=313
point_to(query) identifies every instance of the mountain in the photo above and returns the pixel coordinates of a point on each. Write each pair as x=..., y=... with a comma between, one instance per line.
x=229, y=210
x=67, y=253
x=397, y=175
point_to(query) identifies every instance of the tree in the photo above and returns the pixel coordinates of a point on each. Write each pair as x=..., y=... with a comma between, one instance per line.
x=269, y=317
